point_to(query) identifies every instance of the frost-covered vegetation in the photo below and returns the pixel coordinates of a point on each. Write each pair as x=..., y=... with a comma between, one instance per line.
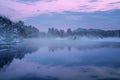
x=12, y=32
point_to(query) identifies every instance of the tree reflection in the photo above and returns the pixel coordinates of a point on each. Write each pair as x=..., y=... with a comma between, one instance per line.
x=7, y=55
x=56, y=47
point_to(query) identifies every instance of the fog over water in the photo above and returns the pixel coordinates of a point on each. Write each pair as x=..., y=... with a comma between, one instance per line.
x=62, y=59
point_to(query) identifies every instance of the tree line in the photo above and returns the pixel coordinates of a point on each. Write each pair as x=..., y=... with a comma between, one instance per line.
x=54, y=32
x=18, y=29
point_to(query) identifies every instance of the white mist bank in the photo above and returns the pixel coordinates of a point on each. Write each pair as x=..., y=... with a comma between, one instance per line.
x=69, y=41
x=108, y=39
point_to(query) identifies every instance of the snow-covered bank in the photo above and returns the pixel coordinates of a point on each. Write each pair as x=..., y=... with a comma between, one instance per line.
x=8, y=43
x=4, y=40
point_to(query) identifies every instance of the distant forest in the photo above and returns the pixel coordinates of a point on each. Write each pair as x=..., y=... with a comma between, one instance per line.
x=82, y=32
x=18, y=29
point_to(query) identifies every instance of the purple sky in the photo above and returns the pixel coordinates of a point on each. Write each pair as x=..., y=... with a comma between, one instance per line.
x=102, y=14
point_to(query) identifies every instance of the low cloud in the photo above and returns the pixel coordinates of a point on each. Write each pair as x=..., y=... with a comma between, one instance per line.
x=22, y=10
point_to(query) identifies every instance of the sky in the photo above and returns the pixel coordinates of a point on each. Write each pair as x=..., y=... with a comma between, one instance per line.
x=63, y=14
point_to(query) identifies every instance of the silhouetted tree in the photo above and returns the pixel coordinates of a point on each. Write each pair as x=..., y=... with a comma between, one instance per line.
x=69, y=32
x=61, y=33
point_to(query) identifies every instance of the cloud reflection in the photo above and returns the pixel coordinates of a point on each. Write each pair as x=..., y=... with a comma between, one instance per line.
x=23, y=69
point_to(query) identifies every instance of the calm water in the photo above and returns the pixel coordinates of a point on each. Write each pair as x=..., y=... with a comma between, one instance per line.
x=61, y=60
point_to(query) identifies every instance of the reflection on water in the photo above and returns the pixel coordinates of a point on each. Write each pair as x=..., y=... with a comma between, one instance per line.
x=33, y=60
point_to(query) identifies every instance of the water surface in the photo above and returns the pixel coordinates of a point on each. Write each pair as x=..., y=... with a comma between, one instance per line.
x=58, y=59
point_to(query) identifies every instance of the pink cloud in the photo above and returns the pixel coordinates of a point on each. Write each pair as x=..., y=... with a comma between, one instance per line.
x=20, y=10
